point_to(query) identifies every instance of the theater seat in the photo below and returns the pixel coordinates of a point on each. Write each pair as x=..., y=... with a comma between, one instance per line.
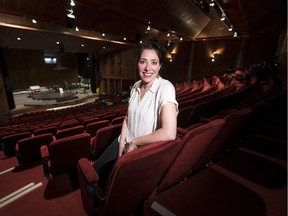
x=9, y=142
x=103, y=138
x=228, y=133
x=93, y=127
x=132, y=179
x=118, y=120
x=69, y=132
x=195, y=143
x=28, y=149
x=62, y=155
x=51, y=129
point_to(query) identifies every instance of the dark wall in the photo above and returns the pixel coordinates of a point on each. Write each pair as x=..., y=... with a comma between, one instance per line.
x=27, y=68
x=194, y=59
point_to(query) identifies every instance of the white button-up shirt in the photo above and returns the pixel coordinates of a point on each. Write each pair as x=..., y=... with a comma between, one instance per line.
x=144, y=115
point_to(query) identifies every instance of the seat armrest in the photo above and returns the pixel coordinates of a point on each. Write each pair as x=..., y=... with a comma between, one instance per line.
x=88, y=171
x=45, y=160
x=181, y=131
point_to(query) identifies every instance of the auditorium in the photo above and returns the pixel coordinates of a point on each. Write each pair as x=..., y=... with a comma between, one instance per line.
x=69, y=73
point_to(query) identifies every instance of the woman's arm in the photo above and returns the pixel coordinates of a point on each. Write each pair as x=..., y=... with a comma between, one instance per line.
x=167, y=131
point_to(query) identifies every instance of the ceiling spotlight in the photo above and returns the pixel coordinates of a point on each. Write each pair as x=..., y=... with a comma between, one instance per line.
x=181, y=39
x=168, y=34
x=57, y=42
x=222, y=18
x=103, y=34
x=235, y=34
x=76, y=28
x=230, y=29
x=18, y=38
x=148, y=28
x=169, y=42
x=72, y=3
x=124, y=38
x=70, y=14
x=82, y=45
x=34, y=21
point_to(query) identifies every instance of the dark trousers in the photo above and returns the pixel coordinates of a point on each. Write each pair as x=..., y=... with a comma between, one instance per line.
x=105, y=163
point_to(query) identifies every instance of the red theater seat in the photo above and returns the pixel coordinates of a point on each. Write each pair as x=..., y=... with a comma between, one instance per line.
x=62, y=155
x=103, y=138
x=69, y=132
x=195, y=143
x=51, y=129
x=92, y=128
x=9, y=142
x=133, y=178
x=28, y=149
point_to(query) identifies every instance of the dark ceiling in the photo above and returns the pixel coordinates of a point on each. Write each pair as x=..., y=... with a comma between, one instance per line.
x=187, y=19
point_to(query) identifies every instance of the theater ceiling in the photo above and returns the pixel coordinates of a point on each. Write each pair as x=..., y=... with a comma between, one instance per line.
x=119, y=24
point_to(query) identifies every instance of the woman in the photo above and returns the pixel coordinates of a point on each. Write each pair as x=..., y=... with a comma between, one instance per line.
x=152, y=110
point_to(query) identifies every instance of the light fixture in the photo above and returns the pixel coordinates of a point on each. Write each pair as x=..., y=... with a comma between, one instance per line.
x=230, y=28
x=235, y=34
x=82, y=45
x=18, y=38
x=34, y=21
x=70, y=14
x=57, y=42
x=181, y=38
x=169, y=42
x=103, y=34
x=168, y=34
x=148, y=28
x=213, y=60
x=222, y=17
x=124, y=38
x=76, y=28
x=72, y=3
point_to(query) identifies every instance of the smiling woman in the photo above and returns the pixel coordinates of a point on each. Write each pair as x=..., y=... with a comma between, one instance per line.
x=152, y=111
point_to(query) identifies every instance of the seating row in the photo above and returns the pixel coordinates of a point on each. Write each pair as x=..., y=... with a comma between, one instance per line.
x=153, y=169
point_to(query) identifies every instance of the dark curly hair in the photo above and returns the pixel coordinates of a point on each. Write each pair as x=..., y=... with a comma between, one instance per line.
x=152, y=44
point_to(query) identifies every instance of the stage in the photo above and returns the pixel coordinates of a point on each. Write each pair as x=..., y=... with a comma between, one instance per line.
x=53, y=100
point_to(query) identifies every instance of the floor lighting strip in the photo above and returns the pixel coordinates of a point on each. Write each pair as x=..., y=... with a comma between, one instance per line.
x=8, y=170
x=19, y=193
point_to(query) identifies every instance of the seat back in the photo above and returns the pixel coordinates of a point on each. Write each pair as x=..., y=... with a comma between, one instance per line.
x=28, y=149
x=65, y=153
x=69, y=132
x=9, y=142
x=50, y=129
x=195, y=143
x=93, y=127
x=226, y=135
x=89, y=120
x=103, y=138
x=118, y=120
x=133, y=178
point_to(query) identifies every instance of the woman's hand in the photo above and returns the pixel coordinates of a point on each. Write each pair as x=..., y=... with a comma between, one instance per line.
x=131, y=146
x=121, y=149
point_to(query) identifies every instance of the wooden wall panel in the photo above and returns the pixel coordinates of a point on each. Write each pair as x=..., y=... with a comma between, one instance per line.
x=27, y=68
